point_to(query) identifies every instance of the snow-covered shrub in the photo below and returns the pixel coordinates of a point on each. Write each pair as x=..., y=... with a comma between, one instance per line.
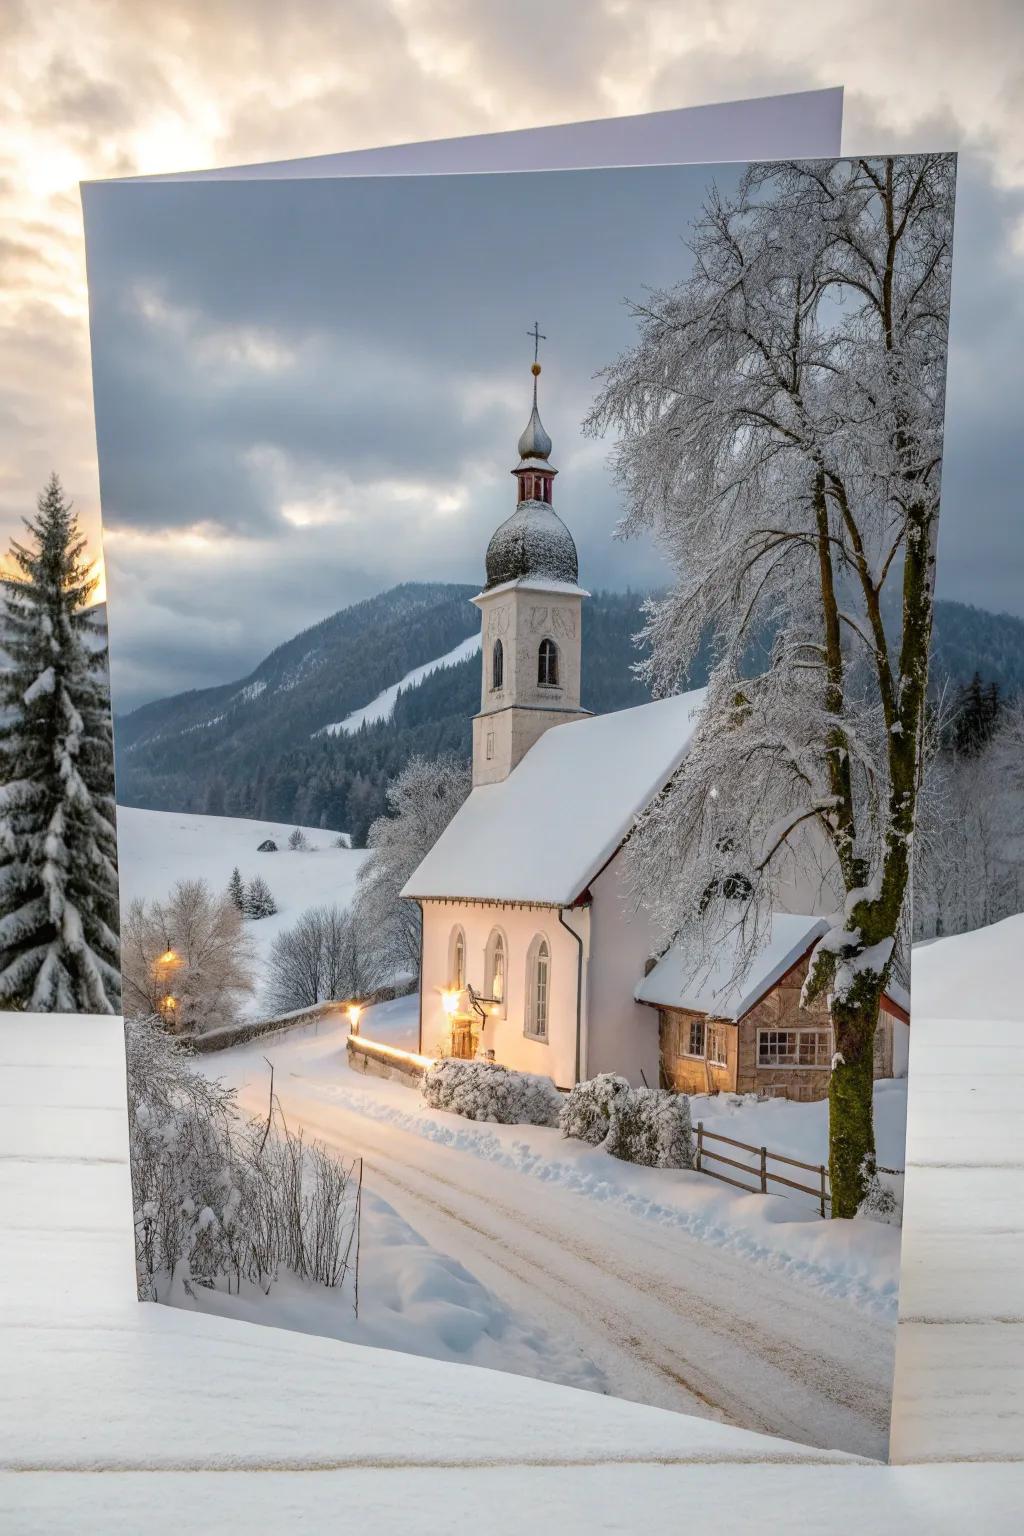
x=219, y=1198
x=649, y=1126
x=881, y=1201
x=298, y=842
x=586, y=1113
x=485, y=1090
x=267, y=846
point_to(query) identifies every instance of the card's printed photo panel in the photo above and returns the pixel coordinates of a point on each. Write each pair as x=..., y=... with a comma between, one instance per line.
x=519, y=731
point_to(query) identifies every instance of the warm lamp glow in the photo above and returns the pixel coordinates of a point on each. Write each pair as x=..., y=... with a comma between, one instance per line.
x=353, y=1010
x=170, y=1003
x=449, y=1002
x=168, y=957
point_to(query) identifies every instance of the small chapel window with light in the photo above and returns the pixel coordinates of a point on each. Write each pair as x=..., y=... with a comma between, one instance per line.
x=494, y=972
x=457, y=961
x=547, y=664
x=497, y=665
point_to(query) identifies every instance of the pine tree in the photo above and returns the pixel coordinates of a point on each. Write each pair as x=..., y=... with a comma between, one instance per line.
x=258, y=900
x=59, y=946
x=236, y=889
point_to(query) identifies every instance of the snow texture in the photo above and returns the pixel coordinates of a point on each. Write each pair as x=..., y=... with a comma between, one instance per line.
x=532, y=542
x=383, y=706
x=560, y=815
x=484, y=1090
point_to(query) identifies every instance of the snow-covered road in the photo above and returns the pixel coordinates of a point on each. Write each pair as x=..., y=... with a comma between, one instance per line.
x=666, y=1317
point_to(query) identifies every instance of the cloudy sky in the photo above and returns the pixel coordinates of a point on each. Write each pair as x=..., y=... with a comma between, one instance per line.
x=112, y=87
x=309, y=391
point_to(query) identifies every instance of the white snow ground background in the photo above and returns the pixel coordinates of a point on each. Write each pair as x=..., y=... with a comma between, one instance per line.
x=119, y=1417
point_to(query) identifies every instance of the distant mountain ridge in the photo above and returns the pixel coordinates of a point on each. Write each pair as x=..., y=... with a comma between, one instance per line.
x=252, y=748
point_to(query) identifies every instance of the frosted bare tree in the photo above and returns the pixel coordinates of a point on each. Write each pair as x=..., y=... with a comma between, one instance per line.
x=780, y=432
x=187, y=959
x=320, y=959
x=421, y=802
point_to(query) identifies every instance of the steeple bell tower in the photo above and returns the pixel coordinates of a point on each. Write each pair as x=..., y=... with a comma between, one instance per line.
x=530, y=615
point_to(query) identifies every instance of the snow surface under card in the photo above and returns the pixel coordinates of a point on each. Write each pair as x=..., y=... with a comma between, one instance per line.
x=544, y=832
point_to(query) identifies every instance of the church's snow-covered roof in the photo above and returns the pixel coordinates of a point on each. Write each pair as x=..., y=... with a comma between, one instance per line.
x=676, y=982
x=544, y=832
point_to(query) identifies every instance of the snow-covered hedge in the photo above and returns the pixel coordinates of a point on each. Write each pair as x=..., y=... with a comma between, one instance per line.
x=649, y=1126
x=484, y=1090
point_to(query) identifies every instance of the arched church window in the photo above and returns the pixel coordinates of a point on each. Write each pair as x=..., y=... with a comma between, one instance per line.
x=538, y=988
x=457, y=960
x=547, y=664
x=495, y=971
x=497, y=665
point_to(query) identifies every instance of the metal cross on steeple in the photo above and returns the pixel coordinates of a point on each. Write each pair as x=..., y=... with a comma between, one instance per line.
x=538, y=337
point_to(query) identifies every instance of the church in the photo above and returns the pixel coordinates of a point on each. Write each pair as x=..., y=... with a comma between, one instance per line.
x=535, y=953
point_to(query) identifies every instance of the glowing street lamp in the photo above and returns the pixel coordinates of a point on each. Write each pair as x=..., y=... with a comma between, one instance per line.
x=353, y=1010
x=450, y=1002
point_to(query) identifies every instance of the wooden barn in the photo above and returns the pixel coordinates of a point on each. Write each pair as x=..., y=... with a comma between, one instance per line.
x=754, y=1037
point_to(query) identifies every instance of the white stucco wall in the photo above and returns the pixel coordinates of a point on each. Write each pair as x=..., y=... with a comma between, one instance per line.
x=554, y=1058
x=621, y=1035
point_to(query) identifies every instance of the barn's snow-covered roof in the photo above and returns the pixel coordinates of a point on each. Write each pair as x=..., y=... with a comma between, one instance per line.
x=676, y=982
x=544, y=832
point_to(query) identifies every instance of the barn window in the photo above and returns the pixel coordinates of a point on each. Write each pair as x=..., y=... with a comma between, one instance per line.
x=718, y=1045
x=497, y=665
x=547, y=664
x=691, y=1038
x=495, y=969
x=538, y=988
x=457, y=960
x=794, y=1047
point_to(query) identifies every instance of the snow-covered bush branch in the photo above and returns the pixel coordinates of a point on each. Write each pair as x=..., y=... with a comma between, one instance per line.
x=219, y=1199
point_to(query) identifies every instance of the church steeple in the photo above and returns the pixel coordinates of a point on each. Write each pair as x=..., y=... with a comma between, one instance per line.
x=530, y=615
x=534, y=475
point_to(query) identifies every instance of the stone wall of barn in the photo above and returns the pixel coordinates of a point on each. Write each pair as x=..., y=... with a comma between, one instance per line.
x=779, y=1010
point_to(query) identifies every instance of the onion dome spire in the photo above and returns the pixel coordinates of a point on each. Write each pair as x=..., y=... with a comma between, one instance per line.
x=533, y=542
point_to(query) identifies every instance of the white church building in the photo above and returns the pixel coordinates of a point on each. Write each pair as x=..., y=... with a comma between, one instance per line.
x=534, y=950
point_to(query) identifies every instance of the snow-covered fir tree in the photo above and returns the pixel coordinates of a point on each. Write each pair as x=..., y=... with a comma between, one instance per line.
x=59, y=948
x=236, y=889
x=780, y=432
x=258, y=900
x=298, y=842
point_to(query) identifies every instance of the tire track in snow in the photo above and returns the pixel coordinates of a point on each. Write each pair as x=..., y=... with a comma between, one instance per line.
x=807, y=1395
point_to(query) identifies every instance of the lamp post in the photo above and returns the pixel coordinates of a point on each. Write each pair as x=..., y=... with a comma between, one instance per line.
x=353, y=1010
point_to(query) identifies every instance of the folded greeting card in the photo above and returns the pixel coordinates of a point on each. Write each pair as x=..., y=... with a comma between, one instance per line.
x=521, y=601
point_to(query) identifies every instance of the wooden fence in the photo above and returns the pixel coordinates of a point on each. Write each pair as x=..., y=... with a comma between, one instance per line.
x=762, y=1173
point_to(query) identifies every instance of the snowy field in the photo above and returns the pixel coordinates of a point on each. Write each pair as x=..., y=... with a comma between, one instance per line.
x=158, y=848
x=662, y=1286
